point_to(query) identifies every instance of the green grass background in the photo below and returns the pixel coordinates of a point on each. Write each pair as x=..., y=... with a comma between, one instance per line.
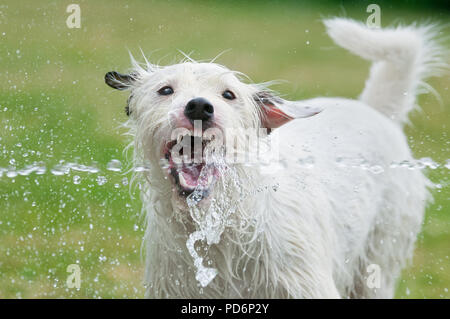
x=54, y=106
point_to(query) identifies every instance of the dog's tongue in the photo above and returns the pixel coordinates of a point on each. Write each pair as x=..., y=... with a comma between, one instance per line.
x=189, y=175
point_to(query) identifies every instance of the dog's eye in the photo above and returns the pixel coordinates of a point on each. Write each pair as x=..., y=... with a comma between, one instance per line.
x=228, y=95
x=166, y=90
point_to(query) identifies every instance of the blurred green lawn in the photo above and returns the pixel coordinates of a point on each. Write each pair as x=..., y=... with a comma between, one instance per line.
x=55, y=106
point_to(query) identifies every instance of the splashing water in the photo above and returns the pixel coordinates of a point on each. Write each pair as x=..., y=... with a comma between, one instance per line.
x=204, y=274
x=63, y=168
x=210, y=222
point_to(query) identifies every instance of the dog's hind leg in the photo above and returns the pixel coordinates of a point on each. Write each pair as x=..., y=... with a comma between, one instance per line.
x=390, y=243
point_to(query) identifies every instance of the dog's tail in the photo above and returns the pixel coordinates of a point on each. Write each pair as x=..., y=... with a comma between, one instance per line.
x=402, y=58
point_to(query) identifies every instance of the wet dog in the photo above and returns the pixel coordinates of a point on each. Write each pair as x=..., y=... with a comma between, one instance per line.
x=324, y=211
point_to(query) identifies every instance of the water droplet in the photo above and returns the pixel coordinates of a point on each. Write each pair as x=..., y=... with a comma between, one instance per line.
x=428, y=162
x=76, y=179
x=114, y=165
x=101, y=180
x=376, y=169
x=60, y=169
x=447, y=164
x=307, y=162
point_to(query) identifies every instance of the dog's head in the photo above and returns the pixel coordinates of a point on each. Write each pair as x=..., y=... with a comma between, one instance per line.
x=179, y=114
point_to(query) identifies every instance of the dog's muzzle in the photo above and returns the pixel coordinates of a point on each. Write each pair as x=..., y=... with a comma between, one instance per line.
x=199, y=109
x=192, y=172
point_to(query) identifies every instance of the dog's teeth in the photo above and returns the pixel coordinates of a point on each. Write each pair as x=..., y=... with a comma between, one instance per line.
x=183, y=182
x=186, y=159
x=210, y=179
x=179, y=138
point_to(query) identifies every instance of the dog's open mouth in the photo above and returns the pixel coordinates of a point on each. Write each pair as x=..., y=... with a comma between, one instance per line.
x=188, y=165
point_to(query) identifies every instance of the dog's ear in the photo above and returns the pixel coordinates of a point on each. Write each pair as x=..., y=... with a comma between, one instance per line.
x=119, y=81
x=271, y=115
x=275, y=111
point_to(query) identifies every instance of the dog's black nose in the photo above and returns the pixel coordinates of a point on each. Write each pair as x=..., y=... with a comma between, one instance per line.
x=199, y=109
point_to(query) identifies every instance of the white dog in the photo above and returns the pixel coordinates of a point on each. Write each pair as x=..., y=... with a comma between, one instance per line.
x=332, y=215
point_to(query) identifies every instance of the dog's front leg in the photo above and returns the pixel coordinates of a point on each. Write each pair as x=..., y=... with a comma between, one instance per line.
x=315, y=285
x=301, y=249
x=326, y=290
